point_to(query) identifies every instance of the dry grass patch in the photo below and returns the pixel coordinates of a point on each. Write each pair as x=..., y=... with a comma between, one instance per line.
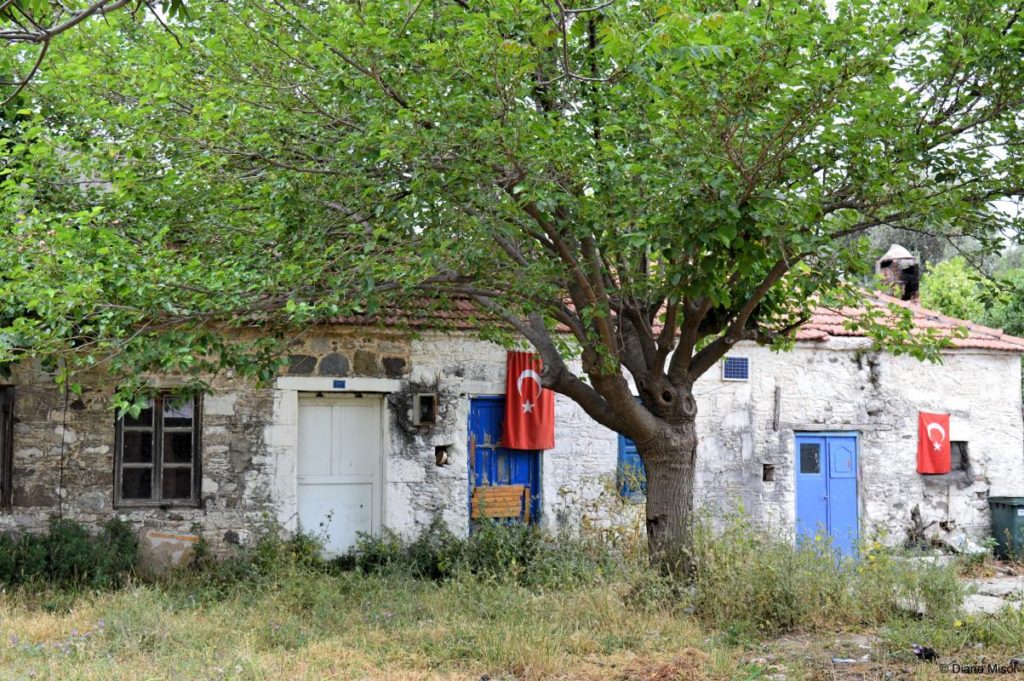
x=309, y=625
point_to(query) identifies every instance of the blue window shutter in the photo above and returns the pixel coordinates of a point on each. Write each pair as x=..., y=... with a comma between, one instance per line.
x=632, y=477
x=736, y=369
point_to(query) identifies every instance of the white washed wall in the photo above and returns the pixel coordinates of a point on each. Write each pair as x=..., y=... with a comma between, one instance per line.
x=836, y=386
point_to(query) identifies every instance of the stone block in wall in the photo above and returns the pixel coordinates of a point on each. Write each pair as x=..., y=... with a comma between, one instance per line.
x=334, y=364
x=301, y=365
x=394, y=367
x=366, y=363
x=220, y=404
x=162, y=552
x=317, y=345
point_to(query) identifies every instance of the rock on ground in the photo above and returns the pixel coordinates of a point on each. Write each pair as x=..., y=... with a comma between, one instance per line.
x=980, y=604
x=1010, y=588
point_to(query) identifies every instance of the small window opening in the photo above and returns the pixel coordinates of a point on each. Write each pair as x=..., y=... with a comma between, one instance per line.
x=158, y=453
x=441, y=455
x=768, y=472
x=958, y=459
x=424, y=408
x=810, y=458
x=736, y=369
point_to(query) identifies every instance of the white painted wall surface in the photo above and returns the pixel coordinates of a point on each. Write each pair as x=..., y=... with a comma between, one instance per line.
x=835, y=385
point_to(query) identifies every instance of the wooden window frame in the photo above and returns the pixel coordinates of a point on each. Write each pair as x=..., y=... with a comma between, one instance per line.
x=195, y=501
x=6, y=447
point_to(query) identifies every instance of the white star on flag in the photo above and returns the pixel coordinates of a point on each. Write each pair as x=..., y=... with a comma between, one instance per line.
x=527, y=407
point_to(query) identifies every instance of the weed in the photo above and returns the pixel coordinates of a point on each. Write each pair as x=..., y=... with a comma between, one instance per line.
x=68, y=555
x=749, y=581
x=522, y=554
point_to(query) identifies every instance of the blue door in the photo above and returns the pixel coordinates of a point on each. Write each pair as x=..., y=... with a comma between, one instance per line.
x=631, y=473
x=493, y=466
x=826, y=488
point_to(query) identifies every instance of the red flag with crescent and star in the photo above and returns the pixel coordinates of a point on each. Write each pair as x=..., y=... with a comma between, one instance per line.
x=529, y=408
x=933, y=443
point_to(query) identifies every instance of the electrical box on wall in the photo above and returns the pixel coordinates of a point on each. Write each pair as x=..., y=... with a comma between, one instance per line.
x=424, y=409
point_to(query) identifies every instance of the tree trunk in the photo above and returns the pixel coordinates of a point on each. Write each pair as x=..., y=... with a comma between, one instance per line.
x=670, y=457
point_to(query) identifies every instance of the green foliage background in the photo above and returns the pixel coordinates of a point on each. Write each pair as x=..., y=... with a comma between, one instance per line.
x=180, y=198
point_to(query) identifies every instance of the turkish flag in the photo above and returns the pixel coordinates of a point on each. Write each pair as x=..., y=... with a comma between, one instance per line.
x=529, y=408
x=932, y=443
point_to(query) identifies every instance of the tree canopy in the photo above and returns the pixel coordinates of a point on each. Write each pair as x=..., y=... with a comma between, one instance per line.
x=644, y=183
x=701, y=149
x=28, y=26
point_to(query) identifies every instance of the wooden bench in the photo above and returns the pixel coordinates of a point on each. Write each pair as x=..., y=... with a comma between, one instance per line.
x=501, y=501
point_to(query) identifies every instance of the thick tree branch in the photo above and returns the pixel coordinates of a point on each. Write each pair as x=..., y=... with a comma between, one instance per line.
x=42, y=34
x=737, y=330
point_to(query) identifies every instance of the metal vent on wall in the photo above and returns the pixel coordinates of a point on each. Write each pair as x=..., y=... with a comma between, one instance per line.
x=736, y=369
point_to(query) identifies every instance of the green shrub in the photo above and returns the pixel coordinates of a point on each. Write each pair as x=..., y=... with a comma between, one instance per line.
x=8, y=559
x=505, y=552
x=264, y=563
x=891, y=584
x=750, y=581
x=31, y=559
x=69, y=556
x=71, y=552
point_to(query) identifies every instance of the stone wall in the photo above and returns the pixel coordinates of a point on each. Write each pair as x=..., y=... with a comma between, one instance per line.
x=840, y=386
x=63, y=461
x=249, y=438
x=834, y=386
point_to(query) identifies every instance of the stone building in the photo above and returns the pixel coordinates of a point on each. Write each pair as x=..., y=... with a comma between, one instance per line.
x=372, y=429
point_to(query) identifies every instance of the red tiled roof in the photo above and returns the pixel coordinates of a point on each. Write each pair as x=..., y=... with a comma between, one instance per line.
x=460, y=314
x=827, y=323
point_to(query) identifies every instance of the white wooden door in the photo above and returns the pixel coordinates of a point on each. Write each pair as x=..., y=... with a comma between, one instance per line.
x=340, y=468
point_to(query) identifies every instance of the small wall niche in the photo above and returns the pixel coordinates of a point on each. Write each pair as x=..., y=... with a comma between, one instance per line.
x=768, y=472
x=424, y=409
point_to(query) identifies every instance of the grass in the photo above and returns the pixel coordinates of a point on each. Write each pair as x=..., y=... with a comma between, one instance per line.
x=310, y=625
x=509, y=604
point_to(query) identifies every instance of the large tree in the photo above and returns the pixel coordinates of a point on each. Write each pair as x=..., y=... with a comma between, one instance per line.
x=637, y=184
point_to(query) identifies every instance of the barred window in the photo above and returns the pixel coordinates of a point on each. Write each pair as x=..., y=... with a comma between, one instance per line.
x=157, y=457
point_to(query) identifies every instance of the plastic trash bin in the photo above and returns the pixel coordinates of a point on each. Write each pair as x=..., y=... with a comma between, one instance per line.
x=1008, y=526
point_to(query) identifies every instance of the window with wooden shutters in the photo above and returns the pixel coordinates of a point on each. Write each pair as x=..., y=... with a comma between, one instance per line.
x=158, y=460
x=6, y=445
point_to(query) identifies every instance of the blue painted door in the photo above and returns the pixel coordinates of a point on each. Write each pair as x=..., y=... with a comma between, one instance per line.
x=826, y=489
x=490, y=464
x=631, y=473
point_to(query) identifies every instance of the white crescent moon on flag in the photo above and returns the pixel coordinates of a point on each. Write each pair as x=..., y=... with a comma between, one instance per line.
x=940, y=428
x=528, y=374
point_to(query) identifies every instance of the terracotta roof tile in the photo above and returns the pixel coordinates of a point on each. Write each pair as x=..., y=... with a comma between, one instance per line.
x=459, y=314
x=828, y=322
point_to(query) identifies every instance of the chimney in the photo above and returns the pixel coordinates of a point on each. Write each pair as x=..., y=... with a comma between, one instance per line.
x=900, y=272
